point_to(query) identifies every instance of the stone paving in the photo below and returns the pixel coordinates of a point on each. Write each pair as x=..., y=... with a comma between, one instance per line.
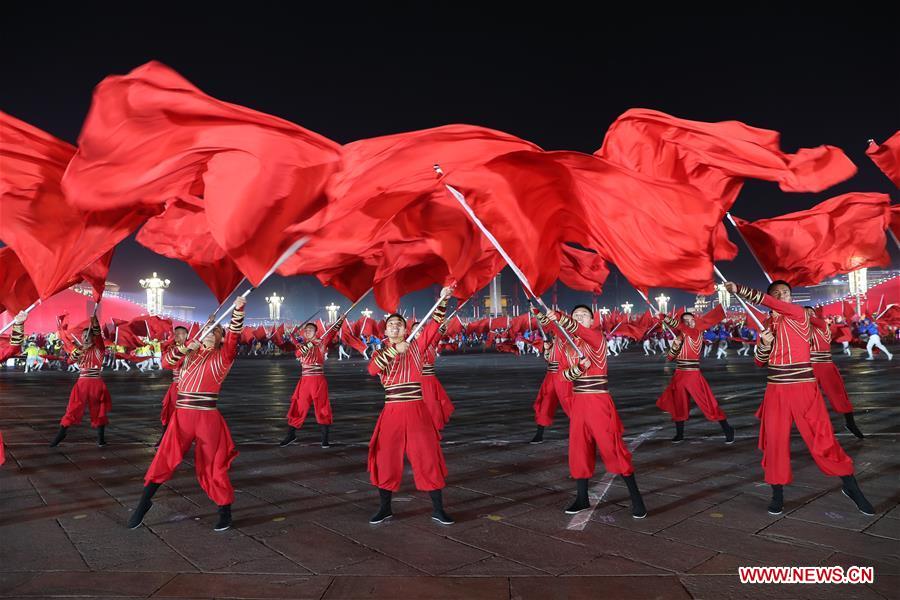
x=301, y=512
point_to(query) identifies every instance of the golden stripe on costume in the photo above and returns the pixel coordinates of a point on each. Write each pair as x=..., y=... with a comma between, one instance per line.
x=748, y=293
x=567, y=323
x=196, y=400
x=383, y=357
x=820, y=357
x=403, y=392
x=762, y=352
x=552, y=367
x=573, y=373
x=312, y=369
x=672, y=322
x=237, y=321
x=91, y=373
x=18, y=334
x=795, y=373
x=428, y=370
x=591, y=384
x=684, y=364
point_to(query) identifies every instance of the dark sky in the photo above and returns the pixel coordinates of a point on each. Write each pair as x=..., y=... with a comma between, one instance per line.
x=816, y=81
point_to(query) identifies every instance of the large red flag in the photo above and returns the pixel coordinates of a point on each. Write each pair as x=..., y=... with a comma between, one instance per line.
x=887, y=157
x=17, y=291
x=57, y=242
x=151, y=135
x=582, y=270
x=840, y=235
x=182, y=233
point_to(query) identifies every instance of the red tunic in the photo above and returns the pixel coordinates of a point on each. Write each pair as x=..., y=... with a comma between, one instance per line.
x=14, y=349
x=312, y=353
x=204, y=370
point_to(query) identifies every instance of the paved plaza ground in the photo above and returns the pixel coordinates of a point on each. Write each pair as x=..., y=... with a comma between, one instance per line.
x=301, y=513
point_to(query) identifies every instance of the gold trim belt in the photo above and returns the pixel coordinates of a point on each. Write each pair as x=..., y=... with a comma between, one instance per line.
x=90, y=373
x=796, y=373
x=591, y=384
x=820, y=357
x=552, y=367
x=687, y=365
x=428, y=370
x=403, y=392
x=312, y=369
x=196, y=400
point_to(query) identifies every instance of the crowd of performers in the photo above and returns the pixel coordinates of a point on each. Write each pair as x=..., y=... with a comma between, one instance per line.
x=795, y=347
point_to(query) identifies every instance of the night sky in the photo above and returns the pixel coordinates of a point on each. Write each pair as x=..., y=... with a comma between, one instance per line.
x=817, y=82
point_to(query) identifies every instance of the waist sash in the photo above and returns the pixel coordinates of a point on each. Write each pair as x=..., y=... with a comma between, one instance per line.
x=552, y=367
x=820, y=357
x=312, y=370
x=197, y=400
x=787, y=374
x=403, y=392
x=428, y=370
x=90, y=373
x=591, y=384
x=687, y=365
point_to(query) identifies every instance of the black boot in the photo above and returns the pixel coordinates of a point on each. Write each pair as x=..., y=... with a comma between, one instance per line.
x=224, y=521
x=325, y=443
x=159, y=441
x=776, y=506
x=384, y=511
x=679, y=432
x=290, y=438
x=60, y=436
x=137, y=517
x=581, y=497
x=538, y=436
x=851, y=425
x=728, y=430
x=852, y=491
x=437, y=505
x=101, y=436
x=638, y=511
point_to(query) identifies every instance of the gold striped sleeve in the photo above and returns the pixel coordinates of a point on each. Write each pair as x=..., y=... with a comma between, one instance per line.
x=749, y=294
x=567, y=323
x=237, y=321
x=762, y=352
x=18, y=334
x=384, y=357
x=573, y=373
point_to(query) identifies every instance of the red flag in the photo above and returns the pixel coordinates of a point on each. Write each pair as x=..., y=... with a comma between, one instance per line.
x=260, y=333
x=150, y=326
x=349, y=338
x=365, y=326
x=182, y=233
x=17, y=292
x=151, y=135
x=839, y=235
x=895, y=221
x=582, y=270
x=887, y=157
x=247, y=336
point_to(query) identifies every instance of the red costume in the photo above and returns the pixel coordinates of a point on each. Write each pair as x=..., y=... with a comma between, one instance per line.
x=826, y=372
x=197, y=419
x=14, y=349
x=89, y=389
x=555, y=390
x=433, y=393
x=593, y=420
x=312, y=387
x=688, y=380
x=171, y=397
x=405, y=426
x=792, y=395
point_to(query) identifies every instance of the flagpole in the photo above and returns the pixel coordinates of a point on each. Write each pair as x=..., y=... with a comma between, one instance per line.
x=421, y=323
x=26, y=311
x=749, y=247
x=512, y=265
x=347, y=312
x=744, y=304
x=647, y=300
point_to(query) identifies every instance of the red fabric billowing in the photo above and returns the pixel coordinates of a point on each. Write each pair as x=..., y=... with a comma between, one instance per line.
x=17, y=292
x=151, y=136
x=582, y=270
x=842, y=234
x=716, y=158
x=182, y=233
x=887, y=157
x=57, y=241
x=348, y=337
x=150, y=326
x=895, y=221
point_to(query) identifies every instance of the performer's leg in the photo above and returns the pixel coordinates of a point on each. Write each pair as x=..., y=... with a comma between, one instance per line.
x=213, y=454
x=582, y=453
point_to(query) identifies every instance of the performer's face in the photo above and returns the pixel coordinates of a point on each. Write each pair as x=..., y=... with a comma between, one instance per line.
x=309, y=332
x=582, y=316
x=689, y=320
x=180, y=336
x=211, y=339
x=781, y=292
x=395, y=328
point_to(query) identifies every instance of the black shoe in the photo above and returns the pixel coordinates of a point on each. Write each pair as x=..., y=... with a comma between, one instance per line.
x=137, y=517
x=581, y=498
x=538, y=436
x=290, y=438
x=852, y=491
x=776, y=506
x=101, y=436
x=224, y=518
x=437, y=504
x=159, y=441
x=638, y=510
x=850, y=425
x=325, y=443
x=728, y=430
x=384, y=511
x=60, y=436
x=679, y=432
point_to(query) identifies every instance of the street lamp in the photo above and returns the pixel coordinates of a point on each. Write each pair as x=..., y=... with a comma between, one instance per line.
x=332, y=312
x=604, y=311
x=724, y=295
x=626, y=308
x=155, y=288
x=275, y=301
x=701, y=304
x=366, y=313
x=662, y=303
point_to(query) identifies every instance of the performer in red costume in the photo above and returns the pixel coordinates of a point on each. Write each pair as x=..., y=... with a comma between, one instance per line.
x=593, y=420
x=433, y=393
x=792, y=396
x=168, y=403
x=16, y=337
x=197, y=419
x=405, y=426
x=555, y=390
x=827, y=373
x=312, y=387
x=688, y=380
x=90, y=388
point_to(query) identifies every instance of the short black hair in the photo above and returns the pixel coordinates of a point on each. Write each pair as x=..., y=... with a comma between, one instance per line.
x=395, y=316
x=687, y=313
x=180, y=327
x=585, y=307
x=777, y=282
x=313, y=325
